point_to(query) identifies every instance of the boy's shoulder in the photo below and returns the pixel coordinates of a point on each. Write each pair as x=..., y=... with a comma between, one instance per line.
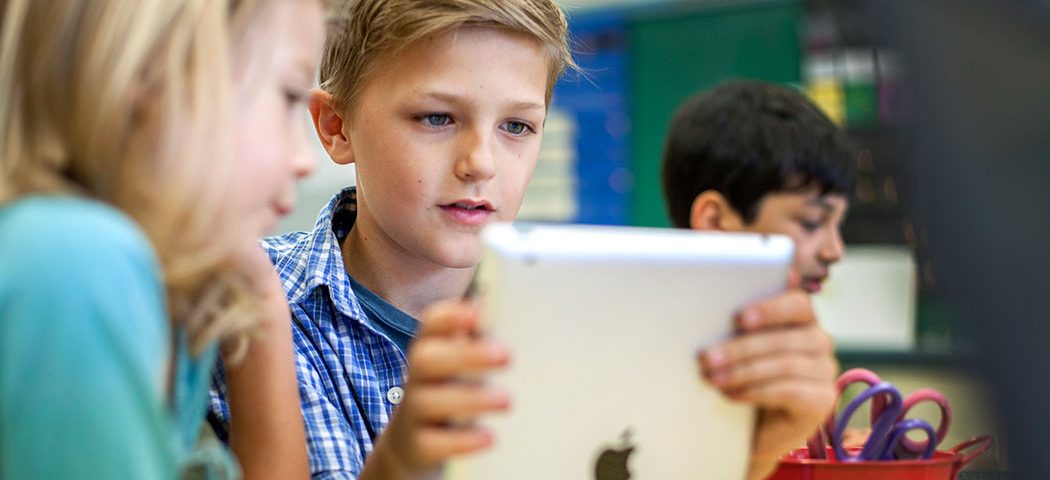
x=308, y=259
x=292, y=255
x=320, y=244
x=286, y=246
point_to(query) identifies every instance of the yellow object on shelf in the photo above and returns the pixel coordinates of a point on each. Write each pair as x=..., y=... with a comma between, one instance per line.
x=829, y=96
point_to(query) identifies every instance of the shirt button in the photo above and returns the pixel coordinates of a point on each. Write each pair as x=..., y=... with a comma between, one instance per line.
x=395, y=395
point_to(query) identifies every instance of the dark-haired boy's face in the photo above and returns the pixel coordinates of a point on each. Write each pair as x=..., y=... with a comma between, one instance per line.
x=812, y=220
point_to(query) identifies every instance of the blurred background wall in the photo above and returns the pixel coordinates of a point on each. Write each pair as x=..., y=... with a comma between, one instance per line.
x=603, y=140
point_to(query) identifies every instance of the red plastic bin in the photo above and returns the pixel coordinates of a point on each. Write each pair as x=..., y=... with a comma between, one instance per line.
x=944, y=465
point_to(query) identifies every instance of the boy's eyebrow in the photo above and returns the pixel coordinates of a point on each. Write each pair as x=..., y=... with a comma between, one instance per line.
x=527, y=106
x=820, y=202
x=459, y=99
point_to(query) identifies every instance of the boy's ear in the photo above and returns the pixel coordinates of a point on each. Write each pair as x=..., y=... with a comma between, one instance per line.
x=329, y=124
x=712, y=212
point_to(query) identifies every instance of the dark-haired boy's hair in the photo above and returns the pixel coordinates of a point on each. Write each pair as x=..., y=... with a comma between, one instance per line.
x=747, y=139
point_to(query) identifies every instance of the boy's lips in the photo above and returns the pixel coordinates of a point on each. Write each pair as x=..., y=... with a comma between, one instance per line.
x=469, y=212
x=813, y=284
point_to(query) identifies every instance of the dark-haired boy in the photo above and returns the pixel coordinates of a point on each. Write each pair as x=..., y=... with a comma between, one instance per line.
x=758, y=157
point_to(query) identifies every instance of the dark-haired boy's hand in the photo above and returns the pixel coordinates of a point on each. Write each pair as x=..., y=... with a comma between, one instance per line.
x=783, y=362
x=435, y=421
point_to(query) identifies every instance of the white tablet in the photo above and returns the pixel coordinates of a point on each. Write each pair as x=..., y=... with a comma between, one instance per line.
x=604, y=325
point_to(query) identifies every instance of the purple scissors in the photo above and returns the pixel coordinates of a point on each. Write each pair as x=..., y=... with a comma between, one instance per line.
x=886, y=431
x=888, y=439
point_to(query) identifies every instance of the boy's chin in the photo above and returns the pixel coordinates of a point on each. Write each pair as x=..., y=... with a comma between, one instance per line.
x=461, y=263
x=461, y=256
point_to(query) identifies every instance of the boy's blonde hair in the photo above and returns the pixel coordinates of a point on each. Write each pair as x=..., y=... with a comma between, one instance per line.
x=369, y=30
x=128, y=102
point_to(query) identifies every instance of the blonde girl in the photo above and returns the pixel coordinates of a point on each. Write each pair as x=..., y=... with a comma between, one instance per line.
x=129, y=205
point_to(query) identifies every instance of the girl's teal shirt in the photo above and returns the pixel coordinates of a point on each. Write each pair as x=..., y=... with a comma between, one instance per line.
x=85, y=347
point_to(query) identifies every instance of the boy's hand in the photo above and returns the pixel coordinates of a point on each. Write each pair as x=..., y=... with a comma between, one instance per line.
x=436, y=419
x=784, y=363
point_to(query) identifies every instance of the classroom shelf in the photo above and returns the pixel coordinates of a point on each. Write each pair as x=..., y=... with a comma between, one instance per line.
x=850, y=358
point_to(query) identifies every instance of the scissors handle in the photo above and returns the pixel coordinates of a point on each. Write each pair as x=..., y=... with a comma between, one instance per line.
x=881, y=427
x=899, y=434
x=909, y=446
x=820, y=437
x=849, y=377
x=855, y=375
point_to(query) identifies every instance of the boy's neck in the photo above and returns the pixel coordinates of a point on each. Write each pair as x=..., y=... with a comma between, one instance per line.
x=404, y=280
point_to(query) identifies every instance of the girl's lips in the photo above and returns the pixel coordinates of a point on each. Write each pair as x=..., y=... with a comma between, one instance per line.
x=282, y=209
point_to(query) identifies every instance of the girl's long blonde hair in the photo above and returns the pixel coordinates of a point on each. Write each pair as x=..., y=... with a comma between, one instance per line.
x=128, y=102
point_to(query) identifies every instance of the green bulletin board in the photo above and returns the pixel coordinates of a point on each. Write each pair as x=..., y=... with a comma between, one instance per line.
x=673, y=55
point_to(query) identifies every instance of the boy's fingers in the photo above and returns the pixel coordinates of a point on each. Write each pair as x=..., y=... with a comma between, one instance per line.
x=810, y=340
x=440, y=358
x=438, y=444
x=447, y=318
x=773, y=367
x=791, y=307
x=808, y=400
x=457, y=403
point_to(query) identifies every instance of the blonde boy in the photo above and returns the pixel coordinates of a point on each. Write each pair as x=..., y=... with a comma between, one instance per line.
x=440, y=105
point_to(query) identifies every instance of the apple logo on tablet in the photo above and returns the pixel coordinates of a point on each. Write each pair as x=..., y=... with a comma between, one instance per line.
x=612, y=461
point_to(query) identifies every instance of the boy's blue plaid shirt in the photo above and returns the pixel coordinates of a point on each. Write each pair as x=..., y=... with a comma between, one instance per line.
x=333, y=341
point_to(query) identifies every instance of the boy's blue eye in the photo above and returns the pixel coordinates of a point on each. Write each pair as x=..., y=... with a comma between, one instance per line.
x=436, y=119
x=517, y=128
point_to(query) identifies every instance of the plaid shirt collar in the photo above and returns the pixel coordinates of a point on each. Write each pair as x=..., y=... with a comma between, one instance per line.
x=322, y=265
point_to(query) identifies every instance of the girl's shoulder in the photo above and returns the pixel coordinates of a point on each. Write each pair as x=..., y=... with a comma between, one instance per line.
x=83, y=315
x=70, y=259
x=46, y=235
x=50, y=221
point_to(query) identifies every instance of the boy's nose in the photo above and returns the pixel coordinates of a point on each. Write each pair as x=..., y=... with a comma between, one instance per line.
x=833, y=248
x=476, y=161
